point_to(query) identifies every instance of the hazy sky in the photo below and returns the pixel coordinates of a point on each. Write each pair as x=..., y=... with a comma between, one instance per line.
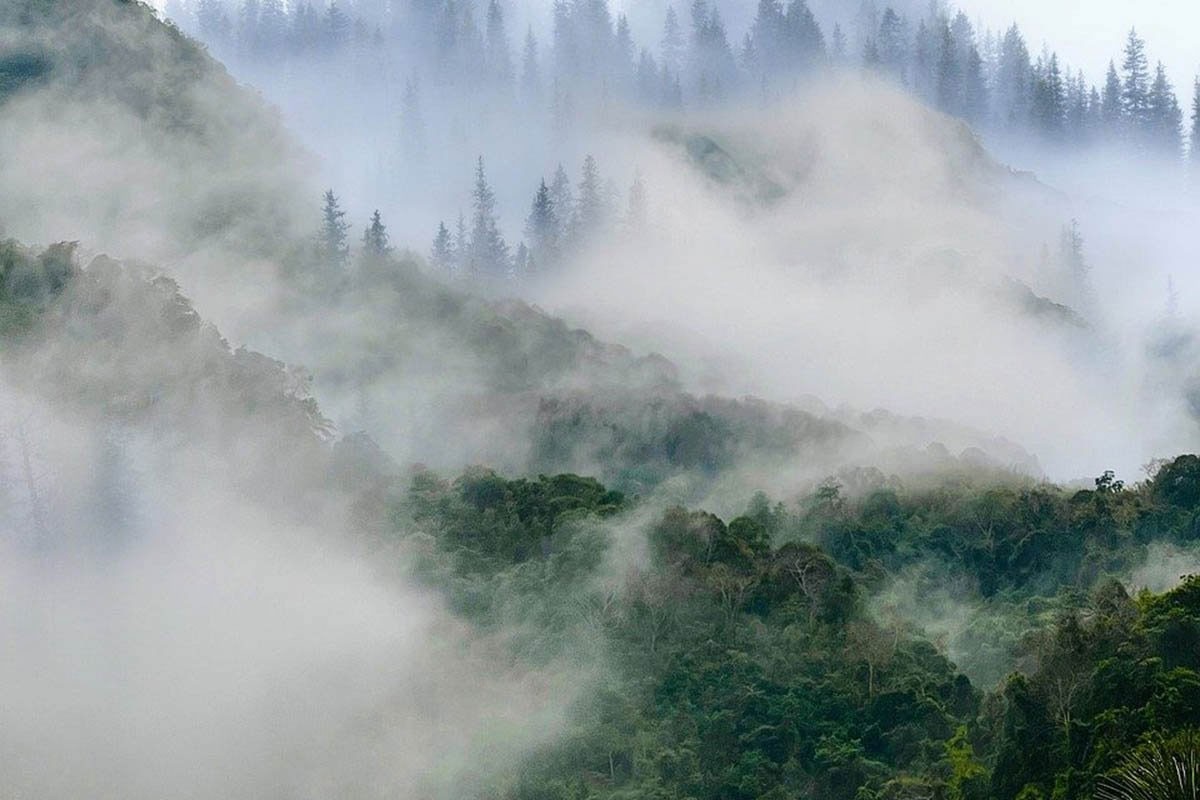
x=1087, y=33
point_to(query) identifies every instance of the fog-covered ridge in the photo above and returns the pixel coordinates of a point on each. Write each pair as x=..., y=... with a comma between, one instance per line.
x=759, y=432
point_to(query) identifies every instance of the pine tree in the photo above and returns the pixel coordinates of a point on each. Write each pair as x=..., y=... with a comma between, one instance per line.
x=1076, y=123
x=1195, y=142
x=497, y=56
x=412, y=126
x=975, y=90
x=803, y=37
x=647, y=77
x=1013, y=93
x=375, y=238
x=248, y=35
x=1135, y=92
x=623, y=50
x=336, y=26
x=672, y=44
x=272, y=26
x=542, y=228
x=441, y=256
x=892, y=44
x=837, y=45
x=562, y=199
x=1112, y=103
x=332, y=242
x=590, y=210
x=949, y=76
x=1049, y=98
x=566, y=48
x=488, y=251
x=462, y=246
x=871, y=57
x=531, y=76
x=522, y=262
x=1166, y=117
x=1074, y=262
x=925, y=62
x=766, y=35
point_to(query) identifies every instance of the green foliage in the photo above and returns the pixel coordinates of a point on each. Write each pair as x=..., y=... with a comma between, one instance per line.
x=1164, y=768
x=748, y=659
x=29, y=281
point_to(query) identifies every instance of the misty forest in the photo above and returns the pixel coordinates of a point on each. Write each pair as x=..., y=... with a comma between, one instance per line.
x=586, y=399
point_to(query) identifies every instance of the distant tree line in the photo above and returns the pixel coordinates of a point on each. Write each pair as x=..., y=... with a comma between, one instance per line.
x=561, y=221
x=990, y=79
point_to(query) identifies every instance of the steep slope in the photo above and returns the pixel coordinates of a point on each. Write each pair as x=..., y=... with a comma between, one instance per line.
x=120, y=132
x=130, y=138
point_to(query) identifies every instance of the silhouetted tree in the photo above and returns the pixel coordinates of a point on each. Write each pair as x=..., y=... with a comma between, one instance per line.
x=333, y=245
x=1165, y=116
x=441, y=255
x=542, y=229
x=488, y=253
x=1135, y=86
x=375, y=238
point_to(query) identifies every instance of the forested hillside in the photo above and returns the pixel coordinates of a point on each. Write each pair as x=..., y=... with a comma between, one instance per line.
x=291, y=507
x=759, y=658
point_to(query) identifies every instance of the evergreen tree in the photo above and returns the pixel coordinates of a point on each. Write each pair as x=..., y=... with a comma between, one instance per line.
x=562, y=200
x=803, y=38
x=522, y=262
x=871, y=58
x=623, y=50
x=462, y=246
x=1014, y=73
x=488, y=256
x=306, y=28
x=531, y=76
x=672, y=43
x=442, y=255
x=566, y=55
x=891, y=44
x=1112, y=103
x=949, y=76
x=647, y=77
x=1195, y=139
x=838, y=46
x=497, y=56
x=1166, y=117
x=925, y=60
x=562, y=112
x=412, y=126
x=336, y=26
x=1135, y=91
x=1049, y=98
x=590, y=209
x=471, y=58
x=1074, y=262
x=766, y=36
x=272, y=26
x=333, y=245
x=375, y=238
x=975, y=90
x=542, y=228
x=1077, y=122
x=247, y=33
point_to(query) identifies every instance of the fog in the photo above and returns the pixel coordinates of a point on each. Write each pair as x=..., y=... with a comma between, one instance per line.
x=824, y=269
x=798, y=297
